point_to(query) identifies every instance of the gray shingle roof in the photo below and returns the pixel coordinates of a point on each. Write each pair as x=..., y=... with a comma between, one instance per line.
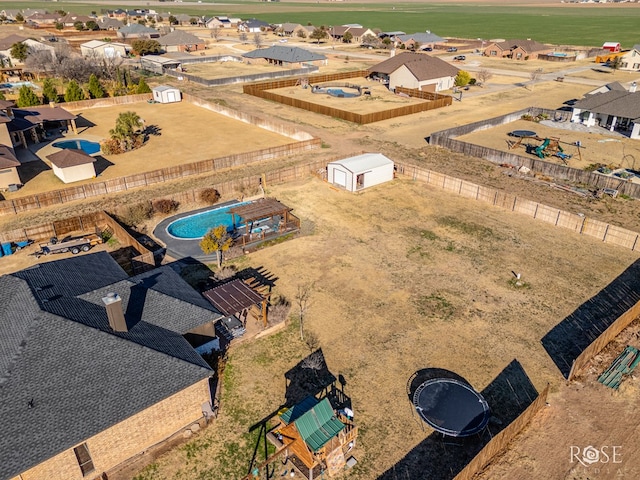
x=285, y=54
x=70, y=157
x=57, y=349
x=136, y=28
x=180, y=37
x=621, y=103
x=421, y=37
x=422, y=66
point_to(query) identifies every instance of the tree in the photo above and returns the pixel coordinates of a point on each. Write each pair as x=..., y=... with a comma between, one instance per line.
x=143, y=46
x=142, y=86
x=615, y=63
x=73, y=93
x=49, y=91
x=484, y=75
x=127, y=130
x=215, y=33
x=301, y=33
x=79, y=26
x=216, y=240
x=303, y=298
x=533, y=76
x=347, y=37
x=257, y=39
x=19, y=18
x=173, y=20
x=462, y=79
x=92, y=25
x=27, y=97
x=59, y=26
x=2, y=97
x=20, y=51
x=95, y=88
x=193, y=21
x=369, y=39
x=318, y=34
x=243, y=37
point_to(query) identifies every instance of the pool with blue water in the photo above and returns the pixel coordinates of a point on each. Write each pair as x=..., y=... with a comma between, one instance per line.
x=338, y=92
x=197, y=225
x=85, y=145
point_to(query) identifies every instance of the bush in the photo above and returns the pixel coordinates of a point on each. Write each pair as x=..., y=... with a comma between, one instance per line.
x=136, y=214
x=209, y=196
x=165, y=206
x=111, y=147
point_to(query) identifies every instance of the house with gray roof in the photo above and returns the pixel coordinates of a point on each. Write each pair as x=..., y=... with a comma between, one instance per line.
x=108, y=23
x=96, y=366
x=279, y=55
x=181, y=41
x=135, y=30
x=615, y=110
x=419, y=40
x=415, y=70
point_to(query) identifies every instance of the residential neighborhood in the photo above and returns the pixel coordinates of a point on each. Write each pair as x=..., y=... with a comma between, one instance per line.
x=249, y=245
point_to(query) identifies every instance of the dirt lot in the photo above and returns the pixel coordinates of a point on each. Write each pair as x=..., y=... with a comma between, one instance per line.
x=178, y=137
x=404, y=278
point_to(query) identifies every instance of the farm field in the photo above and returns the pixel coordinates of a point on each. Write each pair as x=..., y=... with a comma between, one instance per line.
x=544, y=21
x=178, y=138
x=404, y=277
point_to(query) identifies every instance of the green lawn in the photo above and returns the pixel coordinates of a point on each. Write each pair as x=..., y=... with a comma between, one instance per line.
x=572, y=25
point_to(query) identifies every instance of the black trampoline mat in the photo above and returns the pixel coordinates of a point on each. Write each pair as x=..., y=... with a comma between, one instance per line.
x=451, y=407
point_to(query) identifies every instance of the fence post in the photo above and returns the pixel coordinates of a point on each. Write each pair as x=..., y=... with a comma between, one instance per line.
x=535, y=213
x=606, y=230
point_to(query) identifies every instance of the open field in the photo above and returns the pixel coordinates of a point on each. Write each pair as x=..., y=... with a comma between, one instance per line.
x=544, y=21
x=182, y=134
x=404, y=278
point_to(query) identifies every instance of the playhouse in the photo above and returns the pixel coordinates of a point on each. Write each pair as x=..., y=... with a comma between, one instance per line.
x=613, y=47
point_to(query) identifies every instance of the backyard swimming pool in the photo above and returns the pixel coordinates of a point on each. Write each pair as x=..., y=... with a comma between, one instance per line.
x=85, y=145
x=197, y=225
x=18, y=84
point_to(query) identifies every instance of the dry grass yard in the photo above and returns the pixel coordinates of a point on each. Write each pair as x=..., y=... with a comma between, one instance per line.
x=183, y=133
x=404, y=277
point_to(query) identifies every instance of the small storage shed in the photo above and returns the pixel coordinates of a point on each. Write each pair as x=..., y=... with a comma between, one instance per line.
x=361, y=171
x=72, y=165
x=166, y=94
x=611, y=46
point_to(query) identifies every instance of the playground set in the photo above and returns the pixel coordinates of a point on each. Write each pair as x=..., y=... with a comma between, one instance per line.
x=550, y=146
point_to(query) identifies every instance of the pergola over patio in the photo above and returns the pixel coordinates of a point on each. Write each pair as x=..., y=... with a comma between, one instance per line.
x=236, y=298
x=264, y=218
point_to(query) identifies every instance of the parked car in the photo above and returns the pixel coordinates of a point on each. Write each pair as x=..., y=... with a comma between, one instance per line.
x=452, y=49
x=460, y=58
x=428, y=49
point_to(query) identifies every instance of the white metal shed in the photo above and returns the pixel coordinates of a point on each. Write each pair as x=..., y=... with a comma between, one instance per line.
x=361, y=171
x=166, y=94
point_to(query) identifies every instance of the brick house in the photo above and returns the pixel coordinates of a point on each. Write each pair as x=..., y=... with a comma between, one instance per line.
x=415, y=70
x=181, y=41
x=95, y=366
x=516, y=49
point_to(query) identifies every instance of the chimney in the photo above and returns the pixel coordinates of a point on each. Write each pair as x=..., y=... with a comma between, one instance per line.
x=633, y=87
x=115, y=314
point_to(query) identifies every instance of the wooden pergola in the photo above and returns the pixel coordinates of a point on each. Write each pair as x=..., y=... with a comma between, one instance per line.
x=271, y=216
x=236, y=298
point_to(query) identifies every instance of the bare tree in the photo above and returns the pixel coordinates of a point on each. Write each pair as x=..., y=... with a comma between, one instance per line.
x=243, y=37
x=303, y=298
x=534, y=75
x=215, y=33
x=484, y=75
x=311, y=340
x=257, y=40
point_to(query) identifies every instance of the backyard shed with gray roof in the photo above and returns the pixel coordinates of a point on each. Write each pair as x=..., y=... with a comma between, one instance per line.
x=72, y=165
x=71, y=382
x=361, y=171
x=285, y=55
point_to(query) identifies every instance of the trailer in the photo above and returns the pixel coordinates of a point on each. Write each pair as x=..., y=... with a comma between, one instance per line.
x=73, y=245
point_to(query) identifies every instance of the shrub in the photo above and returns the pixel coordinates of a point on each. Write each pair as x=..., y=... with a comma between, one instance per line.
x=137, y=213
x=111, y=147
x=165, y=206
x=209, y=196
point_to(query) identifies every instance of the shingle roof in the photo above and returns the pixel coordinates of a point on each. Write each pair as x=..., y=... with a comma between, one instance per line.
x=180, y=37
x=70, y=157
x=421, y=37
x=285, y=54
x=38, y=115
x=57, y=349
x=8, y=158
x=7, y=42
x=622, y=104
x=288, y=27
x=422, y=66
x=528, y=46
x=136, y=28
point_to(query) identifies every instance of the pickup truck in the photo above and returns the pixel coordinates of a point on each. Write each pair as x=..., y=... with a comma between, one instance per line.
x=73, y=245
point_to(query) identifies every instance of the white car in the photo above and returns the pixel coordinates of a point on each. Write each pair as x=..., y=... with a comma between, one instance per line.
x=283, y=40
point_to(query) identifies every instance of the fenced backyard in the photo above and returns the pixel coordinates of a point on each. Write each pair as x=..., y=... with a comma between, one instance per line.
x=263, y=90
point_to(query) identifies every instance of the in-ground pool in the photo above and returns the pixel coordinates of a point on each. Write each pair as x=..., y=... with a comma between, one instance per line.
x=197, y=225
x=353, y=91
x=85, y=145
x=338, y=92
x=18, y=84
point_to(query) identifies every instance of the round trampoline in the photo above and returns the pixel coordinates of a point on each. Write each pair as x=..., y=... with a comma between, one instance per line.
x=522, y=133
x=451, y=407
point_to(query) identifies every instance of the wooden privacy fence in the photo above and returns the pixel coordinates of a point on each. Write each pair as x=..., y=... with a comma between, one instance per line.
x=262, y=90
x=69, y=194
x=603, y=340
x=212, y=82
x=446, y=139
x=500, y=442
x=578, y=223
x=107, y=101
